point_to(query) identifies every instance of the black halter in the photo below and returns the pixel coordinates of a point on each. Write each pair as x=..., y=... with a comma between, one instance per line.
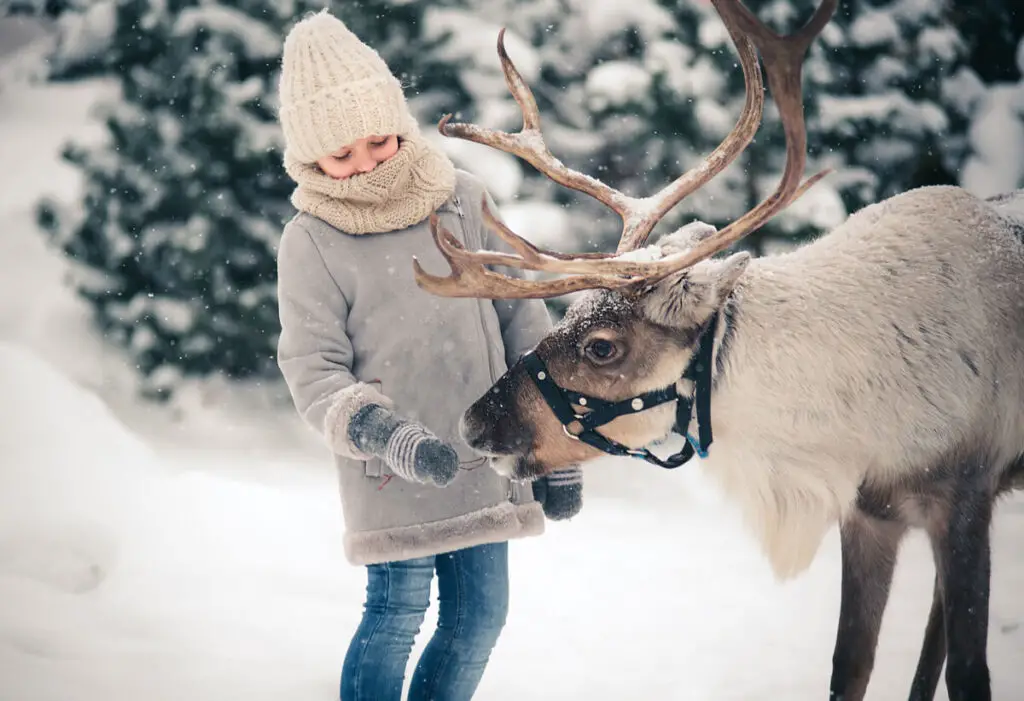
x=583, y=427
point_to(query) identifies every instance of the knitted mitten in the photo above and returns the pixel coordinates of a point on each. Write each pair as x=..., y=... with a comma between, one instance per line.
x=410, y=450
x=560, y=493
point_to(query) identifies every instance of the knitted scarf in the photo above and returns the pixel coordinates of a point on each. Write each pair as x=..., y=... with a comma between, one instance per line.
x=402, y=191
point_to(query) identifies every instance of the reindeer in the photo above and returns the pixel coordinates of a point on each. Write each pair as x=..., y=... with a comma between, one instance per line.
x=871, y=378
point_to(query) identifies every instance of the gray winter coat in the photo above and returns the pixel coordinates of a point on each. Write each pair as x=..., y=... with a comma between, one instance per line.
x=356, y=329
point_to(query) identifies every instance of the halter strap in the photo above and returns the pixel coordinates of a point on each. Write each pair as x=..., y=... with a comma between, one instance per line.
x=598, y=412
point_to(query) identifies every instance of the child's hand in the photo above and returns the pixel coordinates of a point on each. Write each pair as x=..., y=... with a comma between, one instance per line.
x=560, y=493
x=410, y=449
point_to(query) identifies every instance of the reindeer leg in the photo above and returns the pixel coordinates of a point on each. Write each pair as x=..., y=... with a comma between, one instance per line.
x=933, y=650
x=966, y=569
x=869, y=547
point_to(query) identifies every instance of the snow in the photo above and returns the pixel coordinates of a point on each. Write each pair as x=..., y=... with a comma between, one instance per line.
x=614, y=84
x=874, y=28
x=604, y=18
x=646, y=254
x=997, y=141
x=711, y=32
x=192, y=549
x=543, y=224
x=713, y=119
x=500, y=172
x=940, y=44
x=916, y=11
x=473, y=44
x=257, y=39
x=81, y=36
x=114, y=560
x=841, y=115
x=683, y=72
x=996, y=138
x=820, y=207
x=24, y=44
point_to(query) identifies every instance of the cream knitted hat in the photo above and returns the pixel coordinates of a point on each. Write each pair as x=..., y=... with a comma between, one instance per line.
x=334, y=90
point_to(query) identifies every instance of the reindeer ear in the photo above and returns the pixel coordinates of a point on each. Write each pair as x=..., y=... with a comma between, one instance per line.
x=689, y=296
x=719, y=277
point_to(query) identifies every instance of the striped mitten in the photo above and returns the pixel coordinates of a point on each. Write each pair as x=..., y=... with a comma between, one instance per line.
x=409, y=449
x=560, y=493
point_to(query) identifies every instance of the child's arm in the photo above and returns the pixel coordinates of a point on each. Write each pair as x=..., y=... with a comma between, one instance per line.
x=314, y=352
x=315, y=355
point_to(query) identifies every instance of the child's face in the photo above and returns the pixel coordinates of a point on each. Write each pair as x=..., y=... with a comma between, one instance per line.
x=360, y=156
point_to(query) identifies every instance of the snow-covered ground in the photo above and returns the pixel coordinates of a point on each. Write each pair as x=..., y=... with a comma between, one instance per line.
x=193, y=551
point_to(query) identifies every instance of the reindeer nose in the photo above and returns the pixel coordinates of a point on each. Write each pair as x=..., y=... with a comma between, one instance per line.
x=470, y=430
x=485, y=432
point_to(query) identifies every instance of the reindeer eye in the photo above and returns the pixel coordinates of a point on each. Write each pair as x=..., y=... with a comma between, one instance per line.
x=601, y=350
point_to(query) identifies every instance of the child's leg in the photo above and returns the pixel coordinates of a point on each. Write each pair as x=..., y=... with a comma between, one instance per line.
x=397, y=595
x=473, y=603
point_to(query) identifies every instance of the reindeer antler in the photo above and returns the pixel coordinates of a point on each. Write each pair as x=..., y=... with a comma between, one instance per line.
x=470, y=277
x=783, y=58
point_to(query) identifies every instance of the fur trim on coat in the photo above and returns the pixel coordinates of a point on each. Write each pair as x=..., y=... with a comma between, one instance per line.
x=492, y=524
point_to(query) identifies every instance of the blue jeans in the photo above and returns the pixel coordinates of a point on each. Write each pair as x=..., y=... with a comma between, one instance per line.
x=473, y=604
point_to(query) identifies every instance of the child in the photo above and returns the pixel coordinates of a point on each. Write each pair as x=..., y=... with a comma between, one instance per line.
x=384, y=370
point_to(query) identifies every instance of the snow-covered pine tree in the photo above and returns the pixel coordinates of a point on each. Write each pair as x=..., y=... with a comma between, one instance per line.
x=176, y=235
x=635, y=93
x=884, y=115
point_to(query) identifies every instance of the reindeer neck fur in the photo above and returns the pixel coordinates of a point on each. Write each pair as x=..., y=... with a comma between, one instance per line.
x=868, y=354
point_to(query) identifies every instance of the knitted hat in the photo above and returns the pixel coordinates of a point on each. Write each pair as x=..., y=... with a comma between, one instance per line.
x=334, y=90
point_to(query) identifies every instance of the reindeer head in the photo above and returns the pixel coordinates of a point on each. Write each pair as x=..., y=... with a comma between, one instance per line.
x=638, y=327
